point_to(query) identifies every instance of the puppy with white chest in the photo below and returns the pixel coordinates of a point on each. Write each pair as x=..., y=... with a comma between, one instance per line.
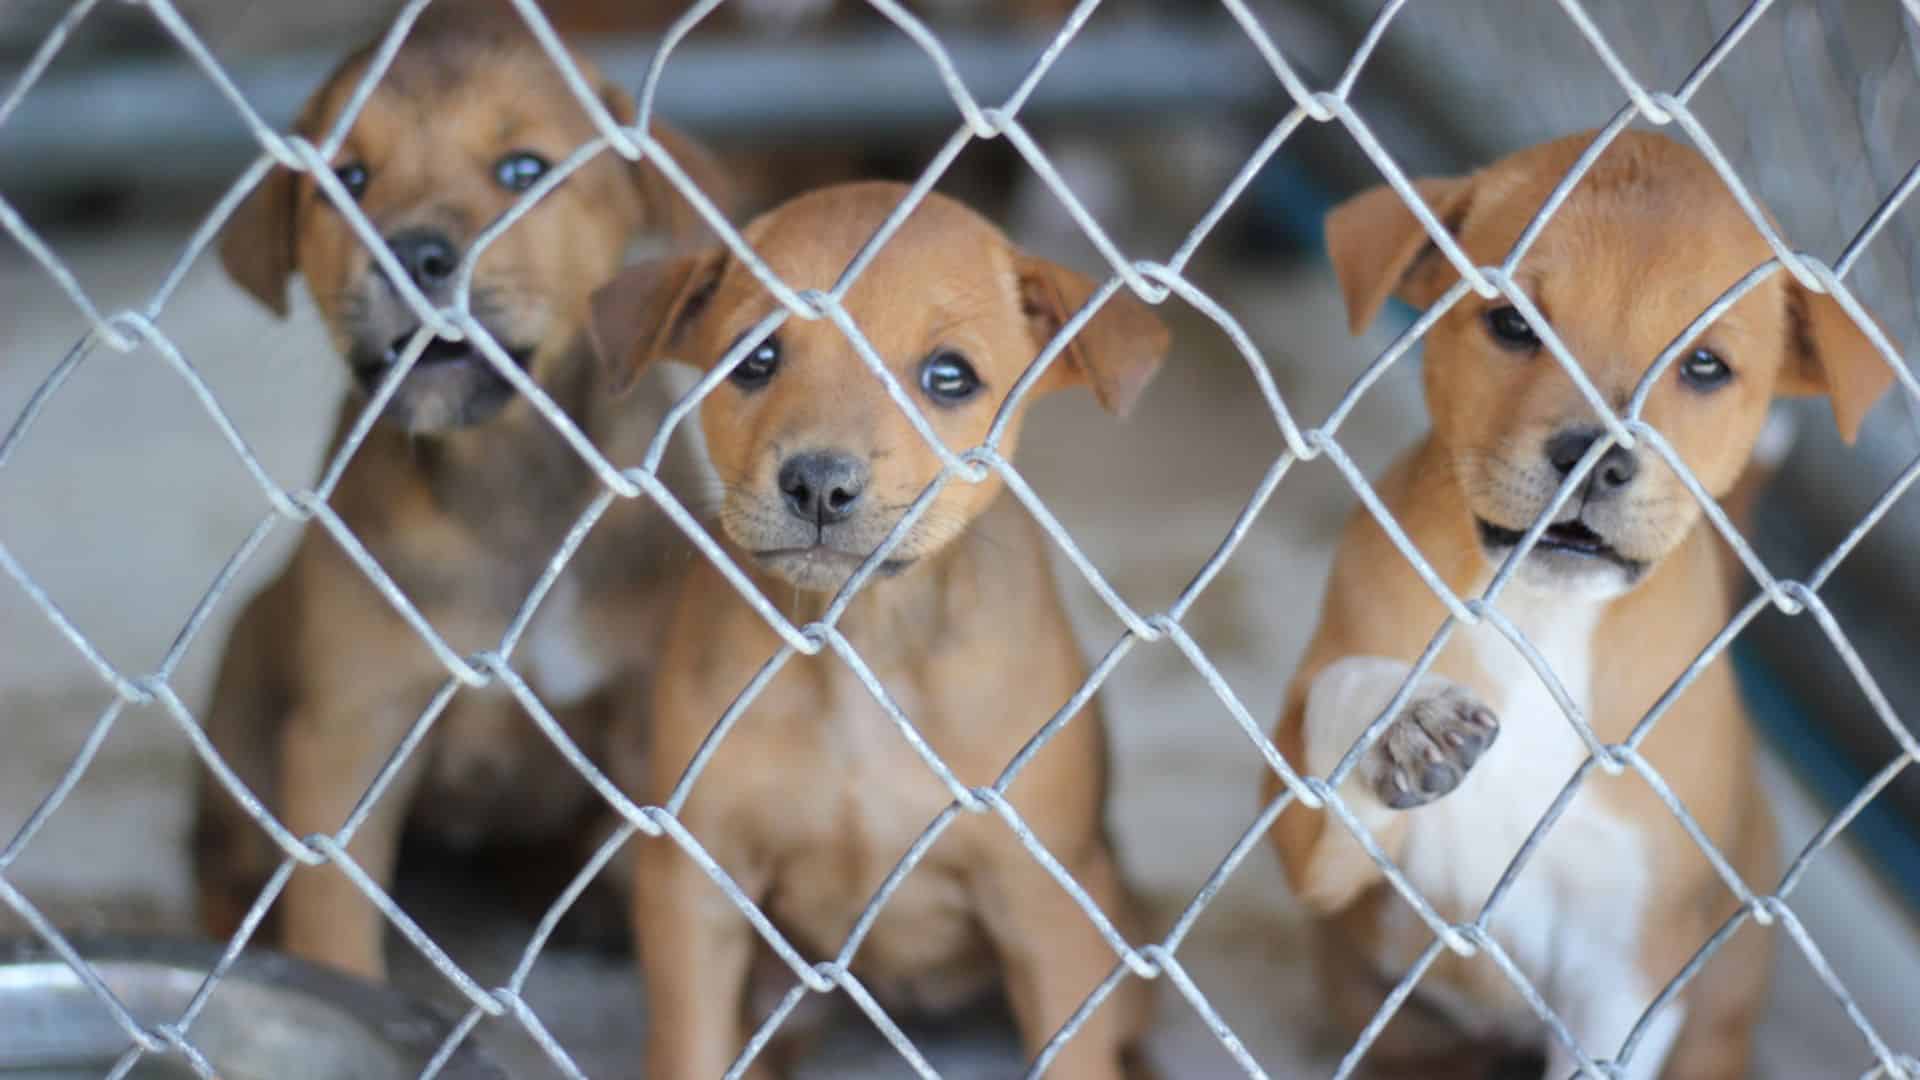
x=814, y=796
x=462, y=492
x=1624, y=589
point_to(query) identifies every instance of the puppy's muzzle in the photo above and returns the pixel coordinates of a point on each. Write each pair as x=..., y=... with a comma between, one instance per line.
x=830, y=526
x=823, y=487
x=1616, y=469
x=427, y=255
x=431, y=259
x=1609, y=479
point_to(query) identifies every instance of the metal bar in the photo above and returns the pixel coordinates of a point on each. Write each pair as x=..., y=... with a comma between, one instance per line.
x=162, y=120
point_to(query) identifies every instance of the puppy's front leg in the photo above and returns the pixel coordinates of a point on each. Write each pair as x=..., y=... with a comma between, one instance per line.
x=696, y=953
x=1054, y=956
x=328, y=758
x=1424, y=753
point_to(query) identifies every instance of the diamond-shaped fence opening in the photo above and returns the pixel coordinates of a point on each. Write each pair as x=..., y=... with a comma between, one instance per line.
x=1322, y=101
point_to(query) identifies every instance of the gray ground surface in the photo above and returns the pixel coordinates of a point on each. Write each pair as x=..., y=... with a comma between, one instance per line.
x=124, y=503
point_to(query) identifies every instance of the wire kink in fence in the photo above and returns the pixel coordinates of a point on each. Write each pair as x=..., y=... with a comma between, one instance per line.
x=1153, y=282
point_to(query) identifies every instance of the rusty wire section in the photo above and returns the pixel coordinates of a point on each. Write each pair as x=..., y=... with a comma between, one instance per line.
x=1767, y=903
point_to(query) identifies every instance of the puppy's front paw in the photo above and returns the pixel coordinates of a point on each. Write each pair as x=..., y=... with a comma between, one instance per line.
x=1427, y=749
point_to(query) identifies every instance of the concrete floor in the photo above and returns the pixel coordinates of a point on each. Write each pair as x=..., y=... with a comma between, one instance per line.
x=124, y=502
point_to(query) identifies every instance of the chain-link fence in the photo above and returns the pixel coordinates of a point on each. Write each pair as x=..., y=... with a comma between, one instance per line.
x=1165, y=281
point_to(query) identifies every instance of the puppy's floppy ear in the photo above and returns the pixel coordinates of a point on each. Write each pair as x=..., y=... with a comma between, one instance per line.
x=257, y=246
x=1827, y=353
x=646, y=310
x=1116, y=352
x=1379, y=249
x=666, y=207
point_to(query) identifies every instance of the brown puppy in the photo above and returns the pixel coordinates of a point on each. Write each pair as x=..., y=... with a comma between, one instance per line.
x=1619, y=596
x=813, y=798
x=462, y=493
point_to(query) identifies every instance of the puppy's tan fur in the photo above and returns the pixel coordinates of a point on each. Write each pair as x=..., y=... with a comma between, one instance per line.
x=1618, y=897
x=814, y=796
x=462, y=493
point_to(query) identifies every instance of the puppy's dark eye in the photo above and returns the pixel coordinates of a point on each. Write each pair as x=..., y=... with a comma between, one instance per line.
x=353, y=176
x=1703, y=369
x=1510, y=330
x=948, y=378
x=757, y=367
x=520, y=170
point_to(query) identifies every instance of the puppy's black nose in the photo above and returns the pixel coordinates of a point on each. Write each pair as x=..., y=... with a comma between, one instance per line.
x=822, y=486
x=1617, y=466
x=429, y=257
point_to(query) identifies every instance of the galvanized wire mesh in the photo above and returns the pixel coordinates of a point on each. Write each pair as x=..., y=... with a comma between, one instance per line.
x=1156, y=282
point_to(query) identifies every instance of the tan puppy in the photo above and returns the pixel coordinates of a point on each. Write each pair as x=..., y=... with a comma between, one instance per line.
x=463, y=493
x=1619, y=597
x=814, y=797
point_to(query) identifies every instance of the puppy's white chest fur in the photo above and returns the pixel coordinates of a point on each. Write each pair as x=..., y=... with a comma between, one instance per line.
x=1576, y=906
x=561, y=658
x=1572, y=918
